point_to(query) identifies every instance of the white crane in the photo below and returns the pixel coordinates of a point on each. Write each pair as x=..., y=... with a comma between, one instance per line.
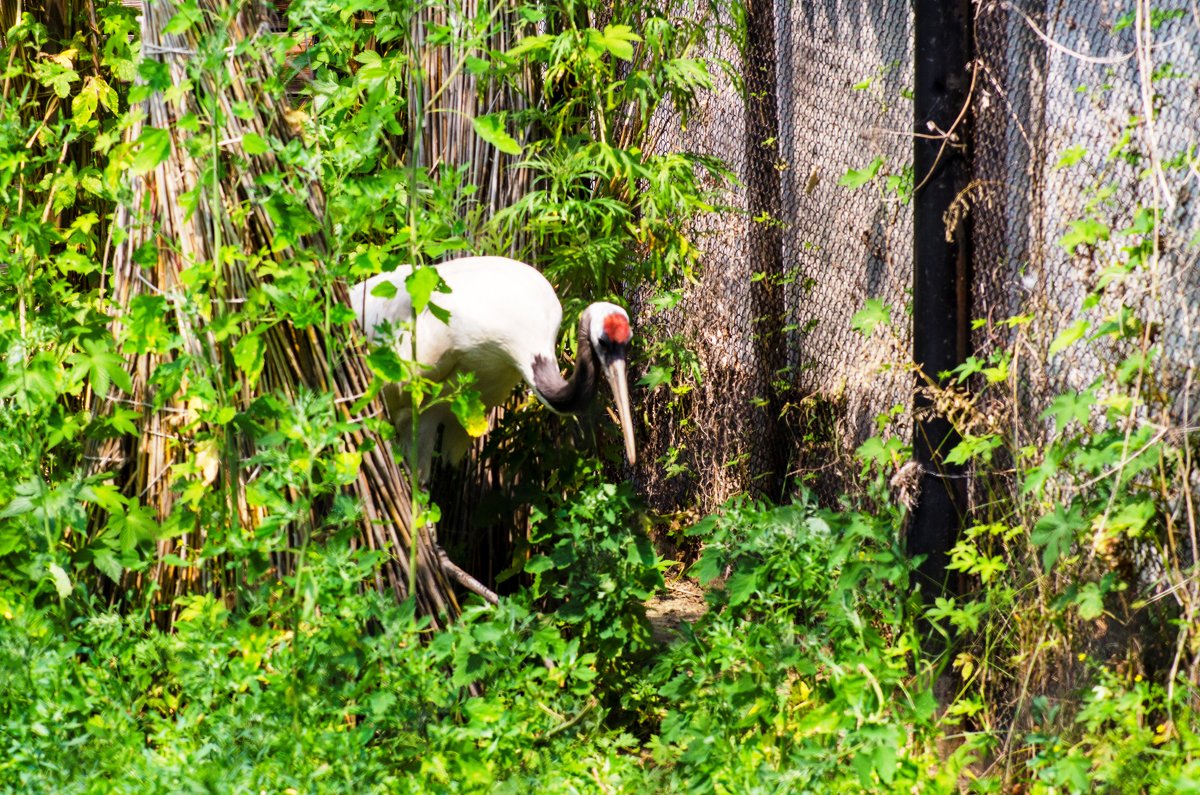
x=503, y=327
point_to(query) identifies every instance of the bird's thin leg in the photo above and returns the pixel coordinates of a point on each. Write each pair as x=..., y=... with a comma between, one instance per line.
x=465, y=580
x=473, y=585
x=454, y=571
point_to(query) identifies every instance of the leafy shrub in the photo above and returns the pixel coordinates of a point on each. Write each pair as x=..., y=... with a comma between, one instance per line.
x=800, y=677
x=354, y=694
x=595, y=573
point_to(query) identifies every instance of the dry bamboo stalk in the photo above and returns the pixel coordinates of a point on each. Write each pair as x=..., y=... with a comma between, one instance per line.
x=326, y=362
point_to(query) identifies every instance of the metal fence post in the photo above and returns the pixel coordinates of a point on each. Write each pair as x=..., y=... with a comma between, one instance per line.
x=765, y=243
x=941, y=270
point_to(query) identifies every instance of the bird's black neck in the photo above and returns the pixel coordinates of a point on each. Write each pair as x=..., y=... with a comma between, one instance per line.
x=571, y=395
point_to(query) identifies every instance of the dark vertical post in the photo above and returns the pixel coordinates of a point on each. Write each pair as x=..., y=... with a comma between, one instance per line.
x=941, y=270
x=765, y=241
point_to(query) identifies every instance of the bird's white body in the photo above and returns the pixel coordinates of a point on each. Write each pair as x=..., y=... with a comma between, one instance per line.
x=502, y=327
x=503, y=314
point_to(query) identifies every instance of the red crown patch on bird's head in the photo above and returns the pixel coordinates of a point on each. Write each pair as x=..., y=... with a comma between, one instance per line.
x=616, y=328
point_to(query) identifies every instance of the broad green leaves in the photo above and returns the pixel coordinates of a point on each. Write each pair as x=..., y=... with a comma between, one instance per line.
x=255, y=144
x=873, y=314
x=1071, y=155
x=386, y=364
x=153, y=147
x=1069, y=336
x=248, y=355
x=742, y=586
x=1084, y=232
x=1056, y=532
x=1071, y=407
x=95, y=93
x=101, y=367
x=57, y=71
x=491, y=129
x=617, y=40
x=374, y=69
x=62, y=582
x=421, y=286
x=469, y=410
x=975, y=447
x=188, y=15
x=856, y=178
x=385, y=289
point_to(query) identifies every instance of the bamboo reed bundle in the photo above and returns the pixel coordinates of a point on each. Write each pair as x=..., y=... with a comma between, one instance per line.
x=450, y=97
x=232, y=212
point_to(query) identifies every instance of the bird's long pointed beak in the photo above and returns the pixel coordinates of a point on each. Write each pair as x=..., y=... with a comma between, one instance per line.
x=620, y=387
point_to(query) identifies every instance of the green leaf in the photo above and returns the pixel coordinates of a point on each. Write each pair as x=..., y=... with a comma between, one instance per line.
x=742, y=586
x=57, y=71
x=106, y=495
x=856, y=178
x=477, y=66
x=708, y=568
x=255, y=144
x=385, y=363
x=538, y=564
x=1132, y=517
x=974, y=447
x=65, y=185
x=1056, y=533
x=1071, y=406
x=187, y=16
x=28, y=494
x=440, y=313
x=1084, y=232
x=106, y=561
x=1090, y=602
x=1037, y=478
x=1069, y=336
x=1144, y=221
x=108, y=94
x=491, y=129
x=346, y=466
x=531, y=44
x=421, y=284
x=655, y=376
x=124, y=421
x=153, y=147
x=135, y=524
x=386, y=289
x=619, y=40
x=12, y=538
x=877, y=450
x=85, y=102
x=1071, y=156
x=102, y=367
x=866, y=319
x=249, y=358
x=468, y=408
x=62, y=583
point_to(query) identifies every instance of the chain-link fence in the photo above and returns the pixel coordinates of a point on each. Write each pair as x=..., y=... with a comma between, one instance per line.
x=1081, y=121
x=1081, y=112
x=787, y=384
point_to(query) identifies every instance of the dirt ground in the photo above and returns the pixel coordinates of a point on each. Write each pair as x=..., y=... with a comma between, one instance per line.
x=683, y=600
